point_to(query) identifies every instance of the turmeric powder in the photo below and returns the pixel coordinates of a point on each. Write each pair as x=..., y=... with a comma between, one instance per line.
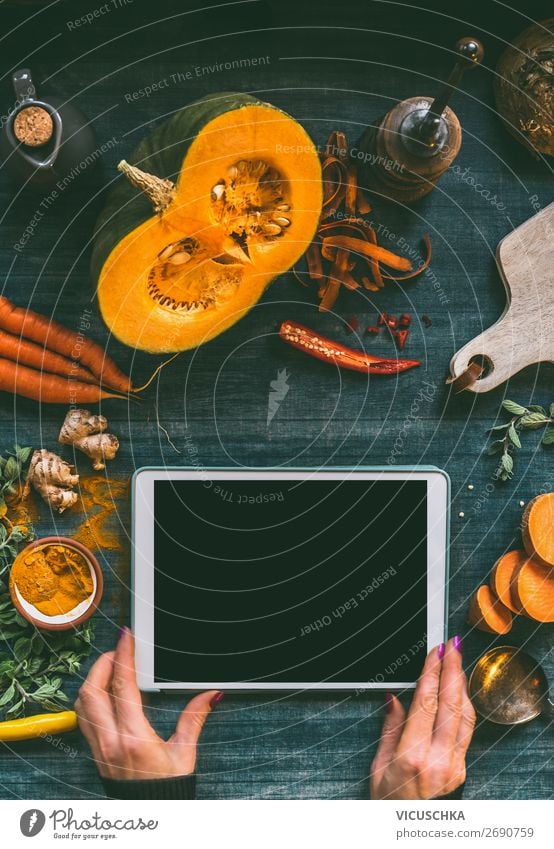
x=102, y=527
x=53, y=578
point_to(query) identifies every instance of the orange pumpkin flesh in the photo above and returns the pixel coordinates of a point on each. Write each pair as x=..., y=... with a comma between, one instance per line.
x=245, y=207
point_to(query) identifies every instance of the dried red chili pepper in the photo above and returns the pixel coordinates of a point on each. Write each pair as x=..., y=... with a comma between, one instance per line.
x=383, y=317
x=392, y=322
x=352, y=324
x=372, y=329
x=401, y=337
x=321, y=348
x=405, y=319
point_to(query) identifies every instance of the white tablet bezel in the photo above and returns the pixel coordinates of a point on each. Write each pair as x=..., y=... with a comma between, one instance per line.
x=438, y=491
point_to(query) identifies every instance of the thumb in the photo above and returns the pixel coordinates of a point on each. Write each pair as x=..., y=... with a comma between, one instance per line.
x=390, y=735
x=192, y=719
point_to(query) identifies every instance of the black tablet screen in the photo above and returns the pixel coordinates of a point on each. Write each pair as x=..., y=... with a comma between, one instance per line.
x=290, y=581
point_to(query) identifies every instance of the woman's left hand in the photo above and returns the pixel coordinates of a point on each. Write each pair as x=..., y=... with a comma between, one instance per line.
x=422, y=755
x=124, y=744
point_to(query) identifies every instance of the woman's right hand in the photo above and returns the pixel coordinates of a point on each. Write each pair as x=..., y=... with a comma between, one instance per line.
x=422, y=755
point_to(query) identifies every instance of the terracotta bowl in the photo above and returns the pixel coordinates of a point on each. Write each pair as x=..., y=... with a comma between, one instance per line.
x=75, y=617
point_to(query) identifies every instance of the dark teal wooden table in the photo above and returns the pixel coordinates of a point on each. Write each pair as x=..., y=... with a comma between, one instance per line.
x=330, y=68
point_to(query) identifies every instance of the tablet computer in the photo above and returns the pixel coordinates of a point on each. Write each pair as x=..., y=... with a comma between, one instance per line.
x=292, y=579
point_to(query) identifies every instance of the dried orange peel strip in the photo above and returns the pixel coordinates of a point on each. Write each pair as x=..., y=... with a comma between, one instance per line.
x=421, y=268
x=334, y=188
x=313, y=259
x=338, y=241
x=367, y=249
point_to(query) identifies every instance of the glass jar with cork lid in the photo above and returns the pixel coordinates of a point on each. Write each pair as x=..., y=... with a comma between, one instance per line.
x=42, y=140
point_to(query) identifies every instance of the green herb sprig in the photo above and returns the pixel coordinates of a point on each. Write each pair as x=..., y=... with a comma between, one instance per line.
x=508, y=434
x=11, y=536
x=32, y=662
x=11, y=472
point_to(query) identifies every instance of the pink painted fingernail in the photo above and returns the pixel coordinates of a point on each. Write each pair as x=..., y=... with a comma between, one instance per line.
x=389, y=702
x=440, y=651
x=457, y=643
x=215, y=700
x=123, y=631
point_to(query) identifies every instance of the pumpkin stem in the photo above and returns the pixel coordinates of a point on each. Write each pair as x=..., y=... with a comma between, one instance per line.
x=159, y=192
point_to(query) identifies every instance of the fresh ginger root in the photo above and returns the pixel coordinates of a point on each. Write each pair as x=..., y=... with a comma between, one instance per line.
x=59, y=499
x=85, y=431
x=53, y=479
x=80, y=423
x=99, y=447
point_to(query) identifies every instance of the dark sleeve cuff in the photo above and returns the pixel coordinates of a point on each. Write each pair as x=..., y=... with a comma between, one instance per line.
x=177, y=787
x=456, y=794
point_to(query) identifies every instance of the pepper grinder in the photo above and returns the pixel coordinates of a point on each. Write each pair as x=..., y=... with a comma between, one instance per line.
x=409, y=149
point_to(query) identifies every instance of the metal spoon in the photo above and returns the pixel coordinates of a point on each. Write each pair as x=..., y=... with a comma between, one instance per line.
x=509, y=687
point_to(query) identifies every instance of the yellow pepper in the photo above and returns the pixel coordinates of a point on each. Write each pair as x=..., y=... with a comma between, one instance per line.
x=38, y=726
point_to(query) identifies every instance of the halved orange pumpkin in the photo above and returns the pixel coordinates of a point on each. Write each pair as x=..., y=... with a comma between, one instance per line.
x=236, y=189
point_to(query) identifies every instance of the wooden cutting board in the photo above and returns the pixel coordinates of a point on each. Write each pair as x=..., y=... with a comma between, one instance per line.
x=524, y=333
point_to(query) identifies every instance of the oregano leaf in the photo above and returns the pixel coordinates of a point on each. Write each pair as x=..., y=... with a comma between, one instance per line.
x=532, y=420
x=507, y=464
x=512, y=435
x=548, y=438
x=16, y=709
x=8, y=695
x=513, y=408
x=22, y=648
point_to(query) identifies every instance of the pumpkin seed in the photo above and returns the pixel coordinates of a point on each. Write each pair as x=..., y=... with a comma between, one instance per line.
x=167, y=251
x=218, y=191
x=251, y=202
x=179, y=258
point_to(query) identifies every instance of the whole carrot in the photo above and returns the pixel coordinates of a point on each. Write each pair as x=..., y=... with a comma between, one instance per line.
x=29, y=354
x=53, y=335
x=48, y=388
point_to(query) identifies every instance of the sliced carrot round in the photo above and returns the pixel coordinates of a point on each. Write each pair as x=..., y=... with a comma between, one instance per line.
x=532, y=590
x=538, y=529
x=487, y=612
x=502, y=575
